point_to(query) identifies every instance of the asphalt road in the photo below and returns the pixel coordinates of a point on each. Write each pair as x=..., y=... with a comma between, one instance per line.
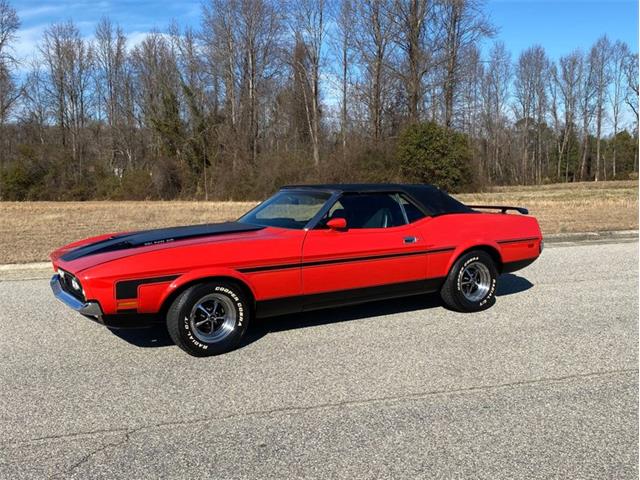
x=543, y=385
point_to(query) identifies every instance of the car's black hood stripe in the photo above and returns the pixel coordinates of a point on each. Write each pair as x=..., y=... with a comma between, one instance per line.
x=159, y=236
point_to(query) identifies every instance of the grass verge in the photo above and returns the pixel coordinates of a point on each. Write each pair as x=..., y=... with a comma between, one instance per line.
x=30, y=230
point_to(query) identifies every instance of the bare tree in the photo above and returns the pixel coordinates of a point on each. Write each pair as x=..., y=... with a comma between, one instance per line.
x=69, y=60
x=599, y=59
x=242, y=38
x=530, y=96
x=9, y=24
x=631, y=97
x=222, y=51
x=110, y=55
x=375, y=32
x=568, y=79
x=35, y=112
x=631, y=75
x=157, y=83
x=554, y=105
x=344, y=20
x=469, y=107
x=196, y=106
x=619, y=56
x=260, y=27
x=310, y=29
x=412, y=19
x=496, y=83
x=471, y=91
x=587, y=108
x=463, y=23
x=9, y=93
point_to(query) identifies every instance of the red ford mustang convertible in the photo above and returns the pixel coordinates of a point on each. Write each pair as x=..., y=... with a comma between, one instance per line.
x=307, y=247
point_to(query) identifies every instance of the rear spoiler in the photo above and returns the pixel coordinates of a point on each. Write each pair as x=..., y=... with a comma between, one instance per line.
x=502, y=209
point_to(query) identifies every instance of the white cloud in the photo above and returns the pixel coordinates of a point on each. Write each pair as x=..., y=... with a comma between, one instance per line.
x=26, y=44
x=135, y=38
x=28, y=13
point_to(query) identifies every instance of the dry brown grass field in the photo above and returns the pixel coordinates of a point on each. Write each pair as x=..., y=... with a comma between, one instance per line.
x=30, y=230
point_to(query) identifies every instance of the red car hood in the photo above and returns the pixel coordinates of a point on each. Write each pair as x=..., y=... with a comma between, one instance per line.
x=89, y=252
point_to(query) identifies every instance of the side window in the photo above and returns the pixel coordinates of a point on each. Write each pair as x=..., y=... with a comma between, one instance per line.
x=413, y=213
x=370, y=210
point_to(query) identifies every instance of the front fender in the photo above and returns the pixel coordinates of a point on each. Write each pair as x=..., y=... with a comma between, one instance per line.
x=195, y=276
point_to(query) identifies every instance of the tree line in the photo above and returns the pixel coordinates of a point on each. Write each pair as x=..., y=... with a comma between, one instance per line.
x=263, y=93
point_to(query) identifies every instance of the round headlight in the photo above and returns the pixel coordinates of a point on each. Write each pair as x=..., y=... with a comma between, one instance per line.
x=75, y=285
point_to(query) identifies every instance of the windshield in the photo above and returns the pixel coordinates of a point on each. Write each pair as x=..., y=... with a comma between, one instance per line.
x=287, y=209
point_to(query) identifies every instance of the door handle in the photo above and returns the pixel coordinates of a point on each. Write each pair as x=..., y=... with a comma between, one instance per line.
x=410, y=239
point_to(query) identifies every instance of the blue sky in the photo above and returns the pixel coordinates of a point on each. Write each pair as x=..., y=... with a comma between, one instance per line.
x=135, y=17
x=558, y=25
x=563, y=25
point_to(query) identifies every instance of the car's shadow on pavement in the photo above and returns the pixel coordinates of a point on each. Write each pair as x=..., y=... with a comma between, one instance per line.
x=509, y=284
x=154, y=337
x=147, y=337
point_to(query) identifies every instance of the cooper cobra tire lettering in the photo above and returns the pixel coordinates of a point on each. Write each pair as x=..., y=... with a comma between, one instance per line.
x=179, y=323
x=238, y=303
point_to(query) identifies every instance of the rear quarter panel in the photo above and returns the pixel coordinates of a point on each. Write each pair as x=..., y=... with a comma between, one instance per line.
x=515, y=237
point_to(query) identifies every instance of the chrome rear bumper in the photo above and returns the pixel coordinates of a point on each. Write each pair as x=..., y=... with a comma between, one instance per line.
x=90, y=309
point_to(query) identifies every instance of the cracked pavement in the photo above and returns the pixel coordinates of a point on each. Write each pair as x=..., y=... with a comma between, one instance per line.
x=544, y=384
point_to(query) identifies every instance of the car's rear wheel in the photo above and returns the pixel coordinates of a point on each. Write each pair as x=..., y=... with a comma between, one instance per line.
x=209, y=319
x=471, y=283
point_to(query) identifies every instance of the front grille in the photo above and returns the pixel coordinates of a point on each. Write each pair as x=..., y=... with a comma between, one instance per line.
x=65, y=281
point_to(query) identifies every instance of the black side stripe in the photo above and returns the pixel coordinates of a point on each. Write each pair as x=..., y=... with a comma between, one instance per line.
x=441, y=250
x=518, y=240
x=266, y=268
x=283, y=305
x=316, y=263
x=129, y=288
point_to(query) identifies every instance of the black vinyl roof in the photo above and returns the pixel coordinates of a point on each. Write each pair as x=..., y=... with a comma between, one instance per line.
x=360, y=187
x=430, y=198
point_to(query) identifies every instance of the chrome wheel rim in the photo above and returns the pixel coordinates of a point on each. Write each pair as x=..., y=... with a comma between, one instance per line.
x=475, y=281
x=213, y=318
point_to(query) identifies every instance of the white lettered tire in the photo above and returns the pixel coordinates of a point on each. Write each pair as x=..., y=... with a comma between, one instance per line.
x=471, y=283
x=209, y=318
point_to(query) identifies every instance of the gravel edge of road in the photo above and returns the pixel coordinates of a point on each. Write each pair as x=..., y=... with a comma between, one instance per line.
x=588, y=237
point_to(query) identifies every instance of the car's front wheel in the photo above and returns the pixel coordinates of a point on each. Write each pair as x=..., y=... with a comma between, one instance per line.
x=471, y=283
x=208, y=319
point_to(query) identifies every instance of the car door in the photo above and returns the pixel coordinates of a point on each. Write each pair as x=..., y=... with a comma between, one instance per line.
x=380, y=253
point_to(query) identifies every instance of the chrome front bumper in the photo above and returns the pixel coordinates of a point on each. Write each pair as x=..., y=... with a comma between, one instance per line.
x=90, y=309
